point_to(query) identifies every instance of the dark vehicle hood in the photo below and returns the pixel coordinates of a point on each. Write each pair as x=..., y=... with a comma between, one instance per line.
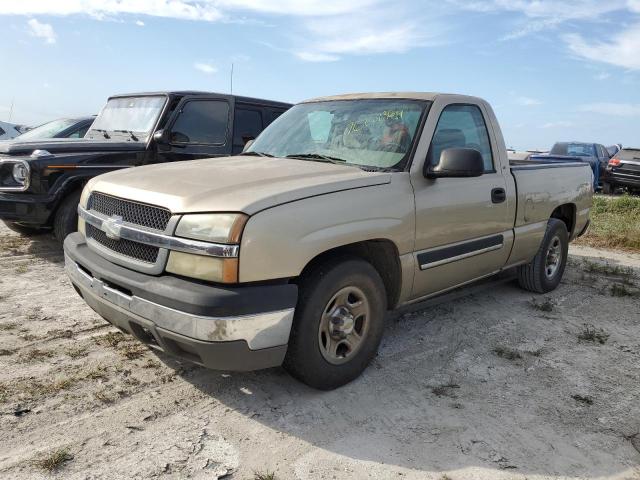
x=69, y=145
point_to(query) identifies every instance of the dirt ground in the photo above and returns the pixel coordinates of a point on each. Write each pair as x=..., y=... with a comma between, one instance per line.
x=498, y=384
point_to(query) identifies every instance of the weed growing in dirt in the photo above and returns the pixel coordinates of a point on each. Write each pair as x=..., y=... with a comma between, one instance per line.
x=621, y=290
x=22, y=269
x=111, y=339
x=546, y=305
x=607, y=269
x=132, y=351
x=77, y=352
x=264, y=476
x=5, y=352
x=583, y=399
x=105, y=396
x=38, y=389
x=445, y=390
x=507, y=353
x=35, y=355
x=55, y=460
x=8, y=326
x=591, y=334
x=98, y=373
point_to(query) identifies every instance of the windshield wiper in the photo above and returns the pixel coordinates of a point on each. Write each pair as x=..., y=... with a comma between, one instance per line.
x=133, y=135
x=317, y=156
x=103, y=132
x=257, y=154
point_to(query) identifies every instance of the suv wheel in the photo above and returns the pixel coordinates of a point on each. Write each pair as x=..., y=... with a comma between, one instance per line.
x=545, y=271
x=338, y=323
x=607, y=188
x=66, y=217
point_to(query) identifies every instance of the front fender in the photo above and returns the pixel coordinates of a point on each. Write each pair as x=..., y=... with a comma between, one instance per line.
x=279, y=242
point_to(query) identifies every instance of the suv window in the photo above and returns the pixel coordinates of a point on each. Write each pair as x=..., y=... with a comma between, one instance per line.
x=202, y=122
x=2, y=132
x=462, y=126
x=247, y=126
x=79, y=133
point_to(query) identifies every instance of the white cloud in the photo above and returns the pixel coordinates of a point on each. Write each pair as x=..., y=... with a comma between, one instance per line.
x=205, y=68
x=528, y=101
x=613, y=109
x=623, y=50
x=42, y=30
x=560, y=124
x=321, y=30
x=602, y=76
x=140, y=23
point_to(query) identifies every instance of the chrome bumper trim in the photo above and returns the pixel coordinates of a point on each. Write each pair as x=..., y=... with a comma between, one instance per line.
x=263, y=330
x=160, y=240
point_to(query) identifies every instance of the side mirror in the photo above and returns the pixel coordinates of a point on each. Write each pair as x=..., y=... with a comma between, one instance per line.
x=247, y=145
x=456, y=162
x=160, y=137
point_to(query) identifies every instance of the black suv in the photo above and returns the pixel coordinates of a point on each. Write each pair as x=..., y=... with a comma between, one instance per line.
x=623, y=170
x=41, y=181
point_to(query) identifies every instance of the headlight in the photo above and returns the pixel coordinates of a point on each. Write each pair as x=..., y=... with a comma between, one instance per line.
x=212, y=269
x=21, y=172
x=223, y=228
x=212, y=227
x=15, y=175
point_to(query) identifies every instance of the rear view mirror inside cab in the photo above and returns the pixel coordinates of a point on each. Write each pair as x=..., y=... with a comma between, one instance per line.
x=456, y=162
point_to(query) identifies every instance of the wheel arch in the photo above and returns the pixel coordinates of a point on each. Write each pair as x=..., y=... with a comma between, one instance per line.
x=567, y=214
x=382, y=254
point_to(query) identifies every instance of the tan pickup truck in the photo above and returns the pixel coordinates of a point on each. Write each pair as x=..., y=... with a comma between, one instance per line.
x=342, y=209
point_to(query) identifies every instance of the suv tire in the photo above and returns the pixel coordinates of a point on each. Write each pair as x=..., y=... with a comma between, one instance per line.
x=545, y=271
x=607, y=188
x=338, y=323
x=65, y=220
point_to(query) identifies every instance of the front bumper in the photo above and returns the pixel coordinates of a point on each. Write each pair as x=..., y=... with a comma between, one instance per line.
x=242, y=328
x=26, y=209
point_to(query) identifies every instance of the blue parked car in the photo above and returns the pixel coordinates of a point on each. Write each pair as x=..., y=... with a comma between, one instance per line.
x=594, y=153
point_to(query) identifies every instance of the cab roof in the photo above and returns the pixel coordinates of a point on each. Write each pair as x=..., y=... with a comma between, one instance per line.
x=428, y=96
x=183, y=93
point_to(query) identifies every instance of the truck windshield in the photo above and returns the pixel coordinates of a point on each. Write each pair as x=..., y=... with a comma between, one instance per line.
x=123, y=116
x=375, y=133
x=574, y=149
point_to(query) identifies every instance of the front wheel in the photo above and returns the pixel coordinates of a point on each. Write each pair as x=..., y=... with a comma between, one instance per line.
x=66, y=217
x=545, y=271
x=338, y=323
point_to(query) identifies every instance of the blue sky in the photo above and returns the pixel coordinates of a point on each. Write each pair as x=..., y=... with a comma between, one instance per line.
x=553, y=70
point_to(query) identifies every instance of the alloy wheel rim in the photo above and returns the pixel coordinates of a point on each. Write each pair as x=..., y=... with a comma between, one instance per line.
x=553, y=258
x=344, y=325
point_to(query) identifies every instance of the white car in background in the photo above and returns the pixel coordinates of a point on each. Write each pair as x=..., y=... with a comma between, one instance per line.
x=8, y=131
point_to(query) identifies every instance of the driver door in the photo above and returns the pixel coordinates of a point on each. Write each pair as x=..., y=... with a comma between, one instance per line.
x=463, y=225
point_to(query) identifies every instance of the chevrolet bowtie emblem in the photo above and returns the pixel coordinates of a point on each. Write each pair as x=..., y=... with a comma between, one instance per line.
x=112, y=227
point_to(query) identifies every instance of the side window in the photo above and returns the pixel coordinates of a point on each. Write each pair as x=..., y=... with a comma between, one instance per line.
x=2, y=132
x=272, y=115
x=247, y=126
x=462, y=126
x=202, y=122
x=79, y=133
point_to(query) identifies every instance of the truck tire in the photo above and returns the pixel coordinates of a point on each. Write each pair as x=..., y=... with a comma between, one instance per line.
x=24, y=231
x=338, y=323
x=607, y=188
x=65, y=220
x=545, y=271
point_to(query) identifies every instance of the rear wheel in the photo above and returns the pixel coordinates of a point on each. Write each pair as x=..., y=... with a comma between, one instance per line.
x=338, y=323
x=607, y=188
x=545, y=271
x=66, y=217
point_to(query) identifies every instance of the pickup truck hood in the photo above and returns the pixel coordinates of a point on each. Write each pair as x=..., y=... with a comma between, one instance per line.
x=232, y=184
x=68, y=145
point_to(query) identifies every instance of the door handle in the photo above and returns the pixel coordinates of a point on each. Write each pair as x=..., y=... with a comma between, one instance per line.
x=498, y=195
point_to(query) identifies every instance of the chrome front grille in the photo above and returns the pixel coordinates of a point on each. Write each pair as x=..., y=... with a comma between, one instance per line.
x=149, y=216
x=135, y=250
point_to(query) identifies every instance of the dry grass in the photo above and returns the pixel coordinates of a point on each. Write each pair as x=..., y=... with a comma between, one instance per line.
x=35, y=355
x=54, y=461
x=77, y=352
x=264, y=476
x=507, y=353
x=615, y=224
x=592, y=334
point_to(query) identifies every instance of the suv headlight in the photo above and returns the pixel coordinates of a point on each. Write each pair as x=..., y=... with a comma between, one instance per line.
x=223, y=228
x=15, y=175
